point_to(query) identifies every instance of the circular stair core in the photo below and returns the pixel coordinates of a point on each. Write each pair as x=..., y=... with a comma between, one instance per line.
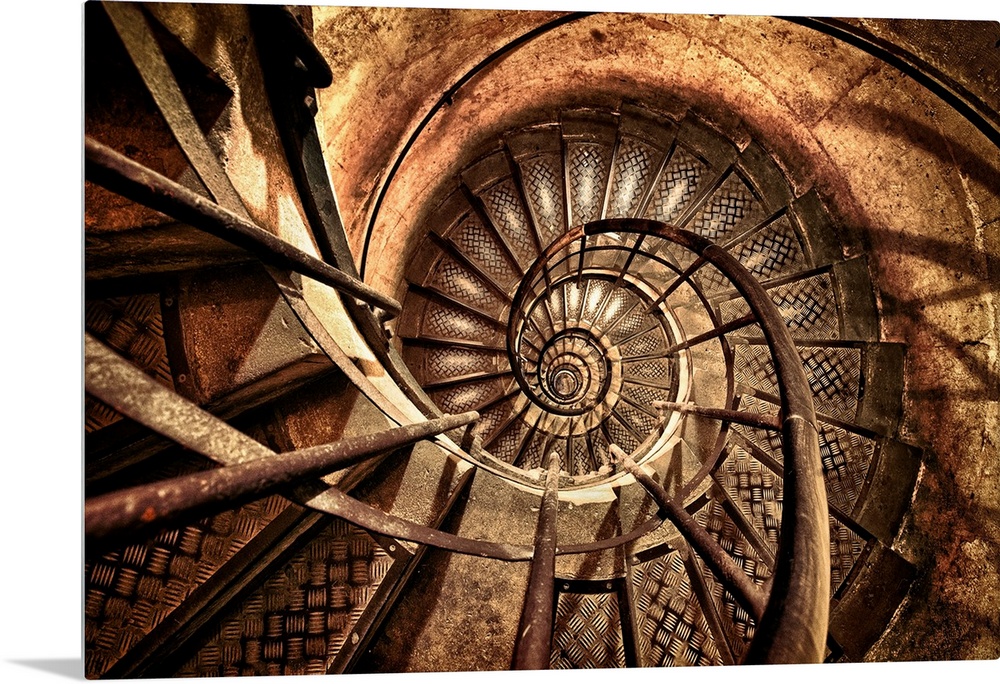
x=606, y=337
x=590, y=367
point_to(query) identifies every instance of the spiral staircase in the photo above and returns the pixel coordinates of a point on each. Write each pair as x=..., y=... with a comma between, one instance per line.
x=629, y=341
x=622, y=335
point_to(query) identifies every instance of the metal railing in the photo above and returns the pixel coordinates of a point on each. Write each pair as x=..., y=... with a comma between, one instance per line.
x=791, y=627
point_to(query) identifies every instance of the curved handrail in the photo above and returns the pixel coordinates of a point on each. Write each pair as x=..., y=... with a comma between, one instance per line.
x=793, y=628
x=130, y=179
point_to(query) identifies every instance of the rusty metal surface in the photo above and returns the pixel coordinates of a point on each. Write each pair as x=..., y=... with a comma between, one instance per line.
x=170, y=415
x=299, y=45
x=137, y=508
x=834, y=457
x=297, y=622
x=261, y=473
x=144, y=50
x=131, y=590
x=534, y=634
x=218, y=589
x=133, y=326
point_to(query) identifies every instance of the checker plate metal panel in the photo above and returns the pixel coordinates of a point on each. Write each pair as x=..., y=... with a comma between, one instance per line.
x=587, y=632
x=671, y=626
x=133, y=327
x=678, y=184
x=130, y=591
x=297, y=622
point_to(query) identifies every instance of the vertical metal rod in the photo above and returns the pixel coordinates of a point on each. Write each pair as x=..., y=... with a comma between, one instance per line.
x=470, y=435
x=633, y=251
x=533, y=649
x=526, y=441
x=615, y=284
x=725, y=568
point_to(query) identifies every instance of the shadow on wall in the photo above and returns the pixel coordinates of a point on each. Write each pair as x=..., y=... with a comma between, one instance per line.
x=981, y=281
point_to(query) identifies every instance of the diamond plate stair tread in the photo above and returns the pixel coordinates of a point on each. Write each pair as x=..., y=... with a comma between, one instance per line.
x=450, y=322
x=130, y=591
x=506, y=444
x=854, y=382
x=532, y=453
x=440, y=364
x=758, y=492
x=634, y=164
x=133, y=327
x=469, y=396
x=808, y=307
x=772, y=252
x=620, y=434
x=677, y=185
x=587, y=632
x=834, y=374
x=503, y=205
x=455, y=280
x=426, y=632
x=846, y=456
x=543, y=187
x=671, y=628
x=587, y=167
x=492, y=419
x=729, y=211
x=480, y=246
x=296, y=623
x=738, y=624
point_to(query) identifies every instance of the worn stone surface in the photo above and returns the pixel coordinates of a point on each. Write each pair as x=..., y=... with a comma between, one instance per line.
x=436, y=626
